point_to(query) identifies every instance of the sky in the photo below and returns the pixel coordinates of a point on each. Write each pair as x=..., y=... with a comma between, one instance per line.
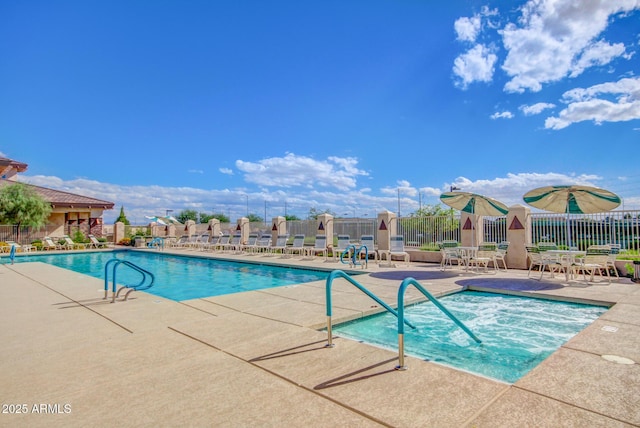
x=352, y=106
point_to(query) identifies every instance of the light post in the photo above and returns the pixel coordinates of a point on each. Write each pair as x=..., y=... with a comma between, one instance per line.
x=247, y=196
x=166, y=214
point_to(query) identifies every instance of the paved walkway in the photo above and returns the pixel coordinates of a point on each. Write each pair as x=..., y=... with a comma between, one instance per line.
x=68, y=358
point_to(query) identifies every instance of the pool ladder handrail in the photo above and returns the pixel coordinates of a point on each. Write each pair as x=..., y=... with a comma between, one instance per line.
x=142, y=285
x=403, y=287
x=342, y=274
x=354, y=255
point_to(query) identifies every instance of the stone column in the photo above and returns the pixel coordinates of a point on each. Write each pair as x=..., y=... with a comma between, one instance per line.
x=214, y=228
x=387, y=227
x=518, y=235
x=278, y=227
x=190, y=228
x=325, y=227
x=118, y=232
x=244, y=227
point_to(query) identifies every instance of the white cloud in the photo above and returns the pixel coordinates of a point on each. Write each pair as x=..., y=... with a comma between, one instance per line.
x=226, y=171
x=467, y=29
x=607, y=102
x=195, y=171
x=476, y=65
x=555, y=38
x=295, y=171
x=502, y=115
x=535, y=108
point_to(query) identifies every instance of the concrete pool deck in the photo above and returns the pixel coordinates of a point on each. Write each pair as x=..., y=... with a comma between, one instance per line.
x=69, y=358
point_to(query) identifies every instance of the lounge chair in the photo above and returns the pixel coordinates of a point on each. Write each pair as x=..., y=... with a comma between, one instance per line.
x=251, y=243
x=296, y=248
x=95, y=243
x=280, y=245
x=543, y=261
x=368, y=241
x=71, y=245
x=344, y=241
x=396, y=249
x=48, y=244
x=264, y=244
x=223, y=241
x=234, y=243
x=319, y=247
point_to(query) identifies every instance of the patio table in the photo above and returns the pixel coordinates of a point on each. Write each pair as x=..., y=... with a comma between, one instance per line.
x=567, y=259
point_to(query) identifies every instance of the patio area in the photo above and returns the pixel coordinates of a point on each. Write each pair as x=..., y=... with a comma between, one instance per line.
x=69, y=358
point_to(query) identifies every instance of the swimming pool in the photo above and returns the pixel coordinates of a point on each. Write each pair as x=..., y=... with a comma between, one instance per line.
x=517, y=333
x=181, y=277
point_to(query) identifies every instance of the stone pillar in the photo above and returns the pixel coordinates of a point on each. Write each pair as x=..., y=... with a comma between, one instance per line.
x=387, y=227
x=471, y=229
x=244, y=227
x=118, y=232
x=190, y=228
x=171, y=230
x=214, y=228
x=278, y=227
x=325, y=227
x=157, y=229
x=518, y=235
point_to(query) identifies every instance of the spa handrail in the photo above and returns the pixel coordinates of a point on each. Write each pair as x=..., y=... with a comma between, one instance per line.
x=342, y=274
x=403, y=286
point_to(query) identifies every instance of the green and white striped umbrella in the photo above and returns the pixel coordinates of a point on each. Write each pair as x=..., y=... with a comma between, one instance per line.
x=474, y=204
x=572, y=199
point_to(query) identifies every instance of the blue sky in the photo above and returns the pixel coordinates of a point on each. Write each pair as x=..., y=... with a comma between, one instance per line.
x=351, y=106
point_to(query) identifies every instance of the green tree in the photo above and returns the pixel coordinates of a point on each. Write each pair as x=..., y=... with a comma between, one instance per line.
x=122, y=218
x=186, y=215
x=20, y=205
x=222, y=218
x=254, y=218
x=291, y=217
x=314, y=213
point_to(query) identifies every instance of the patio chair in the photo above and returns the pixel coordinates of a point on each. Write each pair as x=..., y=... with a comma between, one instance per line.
x=613, y=255
x=543, y=261
x=595, y=261
x=546, y=246
x=450, y=253
x=501, y=254
x=319, y=247
x=297, y=247
x=485, y=254
x=93, y=242
x=396, y=249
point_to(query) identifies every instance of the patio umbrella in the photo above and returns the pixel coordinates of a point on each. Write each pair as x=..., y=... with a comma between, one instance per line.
x=155, y=219
x=475, y=204
x=572, y=200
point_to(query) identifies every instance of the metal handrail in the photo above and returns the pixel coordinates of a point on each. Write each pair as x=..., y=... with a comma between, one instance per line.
x=339, y=273
x=142, y=285
x=355, y=254
x=403, y=286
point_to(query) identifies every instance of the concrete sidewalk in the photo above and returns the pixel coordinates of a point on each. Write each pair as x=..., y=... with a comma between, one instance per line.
x=69, y=358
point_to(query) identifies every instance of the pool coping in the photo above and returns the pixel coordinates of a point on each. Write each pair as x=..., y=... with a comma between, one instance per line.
x=268, y=340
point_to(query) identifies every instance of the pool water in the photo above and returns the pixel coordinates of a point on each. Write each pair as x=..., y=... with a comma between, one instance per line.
x=181, y=277
x=517, y=333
